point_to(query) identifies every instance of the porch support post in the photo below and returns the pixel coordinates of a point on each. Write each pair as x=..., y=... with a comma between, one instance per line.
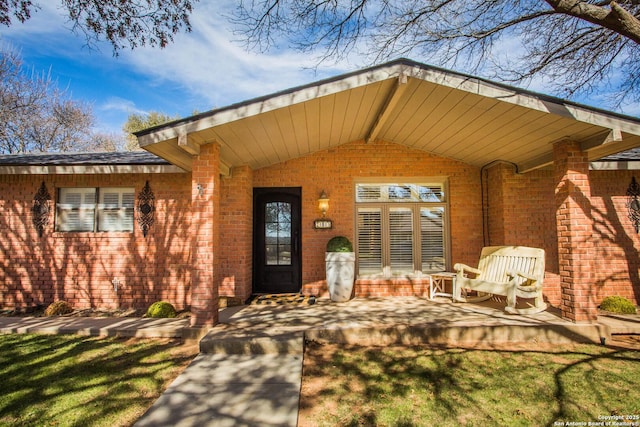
x=575, y=227
x=205, y=205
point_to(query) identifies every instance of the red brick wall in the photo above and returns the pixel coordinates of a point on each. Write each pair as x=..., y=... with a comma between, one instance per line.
x=205, y=229
x=617, y=262
x=334, y=171
x=80, y=267
x=575, y=232
x=236, y=229
x=521, y=211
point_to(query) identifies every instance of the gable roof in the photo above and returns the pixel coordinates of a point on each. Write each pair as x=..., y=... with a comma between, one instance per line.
x=448, y=114
x=66, y=163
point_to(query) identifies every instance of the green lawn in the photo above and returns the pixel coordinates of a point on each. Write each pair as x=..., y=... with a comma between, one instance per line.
x=550, y=386
x=67, y=380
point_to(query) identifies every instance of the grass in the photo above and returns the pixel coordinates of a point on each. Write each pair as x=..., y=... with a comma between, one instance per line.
x=356, y=386
x=68, y=380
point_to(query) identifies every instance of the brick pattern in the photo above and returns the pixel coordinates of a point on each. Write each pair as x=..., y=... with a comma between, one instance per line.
x=80, y=267
x=575, y=232
x=236, y=229
x=205, y=203
x=334, y=171
x=192, y=255
x=521, y=211
x=616, y=267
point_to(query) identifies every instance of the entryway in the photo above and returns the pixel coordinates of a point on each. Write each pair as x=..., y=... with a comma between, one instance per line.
x=276, y=240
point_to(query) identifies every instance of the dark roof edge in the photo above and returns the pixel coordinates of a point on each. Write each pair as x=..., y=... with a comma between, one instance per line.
x=396, y=62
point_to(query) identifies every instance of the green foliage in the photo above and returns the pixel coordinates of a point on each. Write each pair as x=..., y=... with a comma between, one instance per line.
x=58, y=308
x=339, y=244
x=161, y=309
x=618, y=304
x=136, y=122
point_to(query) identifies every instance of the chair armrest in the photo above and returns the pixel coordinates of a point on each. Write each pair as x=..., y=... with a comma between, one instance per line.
x=463, y=268
x=536, y=283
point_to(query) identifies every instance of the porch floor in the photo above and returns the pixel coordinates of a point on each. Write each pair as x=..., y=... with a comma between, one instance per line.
x=255, y=329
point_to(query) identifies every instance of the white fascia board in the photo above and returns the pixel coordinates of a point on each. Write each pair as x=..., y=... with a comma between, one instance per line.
x=615, y=166
x=87, y=169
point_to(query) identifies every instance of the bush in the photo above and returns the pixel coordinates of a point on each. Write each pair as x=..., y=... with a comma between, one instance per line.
x=161, y=309
x=339, y=244
x=58, y=308
x=617, y=304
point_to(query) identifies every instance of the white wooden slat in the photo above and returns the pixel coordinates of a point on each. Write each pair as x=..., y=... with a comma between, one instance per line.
x=369, y=240
x=401, y=239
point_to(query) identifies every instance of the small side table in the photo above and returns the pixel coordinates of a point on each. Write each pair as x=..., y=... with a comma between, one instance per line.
x=437, y=284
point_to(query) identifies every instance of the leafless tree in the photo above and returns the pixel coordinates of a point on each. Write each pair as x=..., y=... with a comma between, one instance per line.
x=577, y=46
x=121, y=23
x=35, y=115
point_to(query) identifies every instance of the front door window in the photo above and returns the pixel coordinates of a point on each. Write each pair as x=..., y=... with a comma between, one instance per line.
x=278, y=233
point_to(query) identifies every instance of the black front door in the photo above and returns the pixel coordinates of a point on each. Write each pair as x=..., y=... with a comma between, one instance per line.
x=276, y=240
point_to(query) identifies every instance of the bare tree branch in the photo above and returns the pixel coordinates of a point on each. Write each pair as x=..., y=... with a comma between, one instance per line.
x=123, y=24
x=578, y=46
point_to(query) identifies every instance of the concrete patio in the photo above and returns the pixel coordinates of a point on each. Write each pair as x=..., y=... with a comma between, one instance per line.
x=394, y=320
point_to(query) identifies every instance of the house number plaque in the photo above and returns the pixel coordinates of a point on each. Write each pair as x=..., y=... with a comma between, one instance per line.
x=323, y=224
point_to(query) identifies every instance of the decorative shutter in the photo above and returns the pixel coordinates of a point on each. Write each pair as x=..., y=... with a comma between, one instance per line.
x=432, y=236
x=401, y=240
x=128, y=201
x=369, y=240
x=368, y=193
x=76, y=210
x=115, y=211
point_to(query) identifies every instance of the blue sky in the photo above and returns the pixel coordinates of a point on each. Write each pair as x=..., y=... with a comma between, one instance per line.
x=202, y=70
x=205, y=69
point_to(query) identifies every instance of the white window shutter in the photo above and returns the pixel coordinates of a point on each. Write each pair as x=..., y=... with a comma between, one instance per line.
x=432, y=239
x=401, y=240
x=76, y=209
x=369, y=240
x=115, y=211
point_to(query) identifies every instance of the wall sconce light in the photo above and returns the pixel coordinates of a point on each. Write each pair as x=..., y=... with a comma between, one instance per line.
x=323, y=203
x=200, y=189
x=323, y=223
x=633, y=204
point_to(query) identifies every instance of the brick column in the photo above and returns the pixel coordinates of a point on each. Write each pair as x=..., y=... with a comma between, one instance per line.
x=205, y=205
x=575, y=228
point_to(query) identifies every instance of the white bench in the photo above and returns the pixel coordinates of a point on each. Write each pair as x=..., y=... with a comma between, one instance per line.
x=511, y=271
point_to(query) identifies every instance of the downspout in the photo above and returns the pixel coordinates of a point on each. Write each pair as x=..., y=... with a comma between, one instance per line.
x=484, y=189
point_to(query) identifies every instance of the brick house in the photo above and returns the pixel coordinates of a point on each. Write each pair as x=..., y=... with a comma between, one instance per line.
x=422, y=168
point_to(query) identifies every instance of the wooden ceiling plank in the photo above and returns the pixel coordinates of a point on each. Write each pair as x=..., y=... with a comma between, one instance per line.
x=417, y=104
x=390, y=104
x=372, y=98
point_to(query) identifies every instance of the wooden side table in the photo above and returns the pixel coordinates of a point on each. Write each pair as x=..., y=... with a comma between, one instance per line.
x=437, y=284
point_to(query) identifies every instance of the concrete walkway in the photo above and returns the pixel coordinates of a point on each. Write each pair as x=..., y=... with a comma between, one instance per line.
x=249, y=370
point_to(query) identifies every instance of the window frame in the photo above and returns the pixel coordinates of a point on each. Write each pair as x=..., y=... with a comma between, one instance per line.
x=416, y=206
x=98, y=209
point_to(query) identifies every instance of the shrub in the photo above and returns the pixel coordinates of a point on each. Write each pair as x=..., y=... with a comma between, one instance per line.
x=58, y=308
x=339, y=244
x=618, y=304
x=161, y=309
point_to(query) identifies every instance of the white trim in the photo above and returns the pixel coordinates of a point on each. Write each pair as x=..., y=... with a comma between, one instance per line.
x=615, y=166
x=86, y=169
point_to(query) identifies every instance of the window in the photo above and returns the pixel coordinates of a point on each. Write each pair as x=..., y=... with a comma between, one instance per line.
x=401, y=228
x=95, y=209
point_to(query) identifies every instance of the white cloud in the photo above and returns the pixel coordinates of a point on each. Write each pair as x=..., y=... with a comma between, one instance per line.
x=219, y=71
x=120, y=105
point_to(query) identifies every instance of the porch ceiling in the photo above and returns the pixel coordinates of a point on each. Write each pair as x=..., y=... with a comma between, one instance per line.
x=444, y=113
